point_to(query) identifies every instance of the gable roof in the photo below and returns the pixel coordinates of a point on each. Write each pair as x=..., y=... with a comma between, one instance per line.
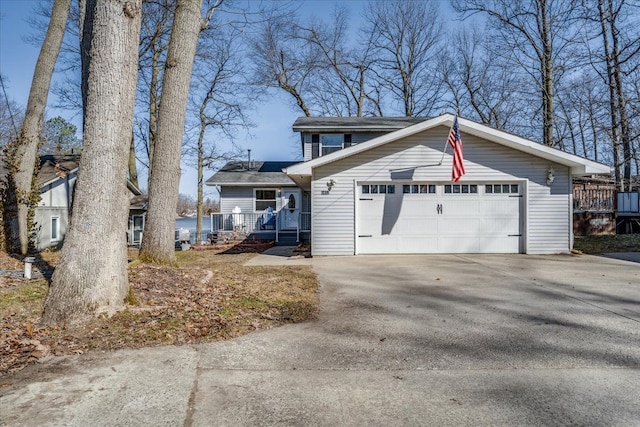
x=54, y=167
x=260, y=173
x=578, y=165
x=351, y=124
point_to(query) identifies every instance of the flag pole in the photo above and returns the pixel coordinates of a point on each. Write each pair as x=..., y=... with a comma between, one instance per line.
x=446, y=142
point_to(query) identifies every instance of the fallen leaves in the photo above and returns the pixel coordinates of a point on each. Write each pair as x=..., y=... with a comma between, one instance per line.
x=211, y=297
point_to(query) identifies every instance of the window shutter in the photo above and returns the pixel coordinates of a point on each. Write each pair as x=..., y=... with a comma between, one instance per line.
x=315, y=145
x=347, y=140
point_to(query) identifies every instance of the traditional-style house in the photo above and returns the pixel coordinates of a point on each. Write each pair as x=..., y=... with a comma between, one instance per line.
x=383, y=185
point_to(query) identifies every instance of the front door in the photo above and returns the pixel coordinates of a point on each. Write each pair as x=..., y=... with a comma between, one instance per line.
x=290, y=211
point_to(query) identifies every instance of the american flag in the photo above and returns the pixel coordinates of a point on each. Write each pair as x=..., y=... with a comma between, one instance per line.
x=456, y=143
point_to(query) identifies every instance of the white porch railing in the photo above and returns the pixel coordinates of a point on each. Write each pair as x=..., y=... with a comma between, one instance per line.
x=246, y=222
x=252, y=222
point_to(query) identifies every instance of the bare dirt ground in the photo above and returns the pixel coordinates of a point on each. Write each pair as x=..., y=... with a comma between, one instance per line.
x=211, y=296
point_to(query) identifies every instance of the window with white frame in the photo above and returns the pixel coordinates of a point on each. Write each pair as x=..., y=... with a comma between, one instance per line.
x=264, y=198
x=55, y=228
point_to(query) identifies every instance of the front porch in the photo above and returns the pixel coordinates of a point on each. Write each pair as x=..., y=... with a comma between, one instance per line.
x=278, y=226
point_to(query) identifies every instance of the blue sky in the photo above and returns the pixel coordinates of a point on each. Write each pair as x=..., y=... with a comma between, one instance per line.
x=271, y=138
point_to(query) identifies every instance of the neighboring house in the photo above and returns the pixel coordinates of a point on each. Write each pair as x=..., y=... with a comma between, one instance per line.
x=382, y=185
x=56, y=179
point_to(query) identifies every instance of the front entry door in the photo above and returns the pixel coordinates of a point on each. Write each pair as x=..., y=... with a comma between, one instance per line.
x=290, y=211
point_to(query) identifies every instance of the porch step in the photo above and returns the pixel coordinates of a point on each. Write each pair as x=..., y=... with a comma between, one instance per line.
x=287, y=239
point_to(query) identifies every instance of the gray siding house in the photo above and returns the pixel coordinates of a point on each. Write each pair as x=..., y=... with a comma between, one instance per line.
x=383, y=185
x=56, y=179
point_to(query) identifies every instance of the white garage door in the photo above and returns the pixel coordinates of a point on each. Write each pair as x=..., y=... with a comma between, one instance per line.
x=439, y=218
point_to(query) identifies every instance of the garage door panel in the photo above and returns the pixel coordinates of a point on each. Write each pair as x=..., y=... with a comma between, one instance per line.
x=459, y=245
x=442, y=222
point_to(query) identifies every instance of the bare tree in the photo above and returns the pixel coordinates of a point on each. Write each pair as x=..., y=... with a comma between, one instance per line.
x=91, y=276
x=343, y=75
x=482, y=88
x=283, y=60
x=157, y=18
x=406, y=41
x=539, y=31
x=219, y=102
x=11, y=115
x=22, y=156
x=618, y=50
x=158, y=243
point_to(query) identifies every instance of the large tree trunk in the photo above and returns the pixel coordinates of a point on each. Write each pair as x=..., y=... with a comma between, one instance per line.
x=158, y=243
x=91, y=276
x=22, y=160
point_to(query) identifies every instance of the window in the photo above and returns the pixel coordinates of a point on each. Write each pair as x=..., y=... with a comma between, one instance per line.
x=55, y=228
x=461, y=189
x=331, y=143
x=323, y=144
x=378, y=189
x=264, y=199
x=419, y=189
x=502, y=189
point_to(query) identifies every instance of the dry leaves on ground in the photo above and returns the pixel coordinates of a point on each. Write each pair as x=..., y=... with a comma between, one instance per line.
x=212, y=296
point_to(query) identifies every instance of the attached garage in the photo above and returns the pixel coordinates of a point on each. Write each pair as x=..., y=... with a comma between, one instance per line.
x=393, y=194
x=439, y=218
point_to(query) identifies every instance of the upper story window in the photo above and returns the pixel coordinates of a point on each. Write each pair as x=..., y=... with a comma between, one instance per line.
x=323, y=144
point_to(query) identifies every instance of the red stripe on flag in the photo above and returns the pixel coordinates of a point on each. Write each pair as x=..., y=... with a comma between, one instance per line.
x=456, y=143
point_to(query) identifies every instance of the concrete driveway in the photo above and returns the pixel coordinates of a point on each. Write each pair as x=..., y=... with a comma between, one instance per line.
x=401, y=340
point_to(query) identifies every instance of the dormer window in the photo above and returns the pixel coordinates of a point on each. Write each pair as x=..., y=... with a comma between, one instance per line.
x=323, y=144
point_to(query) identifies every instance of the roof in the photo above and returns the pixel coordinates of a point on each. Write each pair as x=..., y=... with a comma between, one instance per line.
x=261, y=173
x=53, y=167
x=350, y=124
x=139, y=201
x=578, y=165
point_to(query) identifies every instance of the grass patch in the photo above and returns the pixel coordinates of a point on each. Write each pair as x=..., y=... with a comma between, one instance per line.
x=604, y=244
x=208, y=297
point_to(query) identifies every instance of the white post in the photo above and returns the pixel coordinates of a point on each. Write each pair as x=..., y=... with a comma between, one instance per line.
x=28, y=261
x=277, y=225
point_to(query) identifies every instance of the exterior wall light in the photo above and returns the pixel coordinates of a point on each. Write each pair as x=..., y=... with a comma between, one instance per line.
x=330, y=184
x=550, y=176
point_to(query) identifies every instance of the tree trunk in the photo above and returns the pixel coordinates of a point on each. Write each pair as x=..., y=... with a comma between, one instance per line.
x=200, y=182
x=23, y=158
x=547, y=73
x=621, y=104
x=153, y=109
x=91, y=277
x=133, y=170
x=612, y=94
x=158, y=243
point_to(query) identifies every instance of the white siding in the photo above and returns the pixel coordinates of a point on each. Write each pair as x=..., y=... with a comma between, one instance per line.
x=548, y=212
x=42, y=219
x=59, y=193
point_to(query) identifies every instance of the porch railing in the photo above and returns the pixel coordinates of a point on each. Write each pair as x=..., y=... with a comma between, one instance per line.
x=251, y=222
x=246, y=222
